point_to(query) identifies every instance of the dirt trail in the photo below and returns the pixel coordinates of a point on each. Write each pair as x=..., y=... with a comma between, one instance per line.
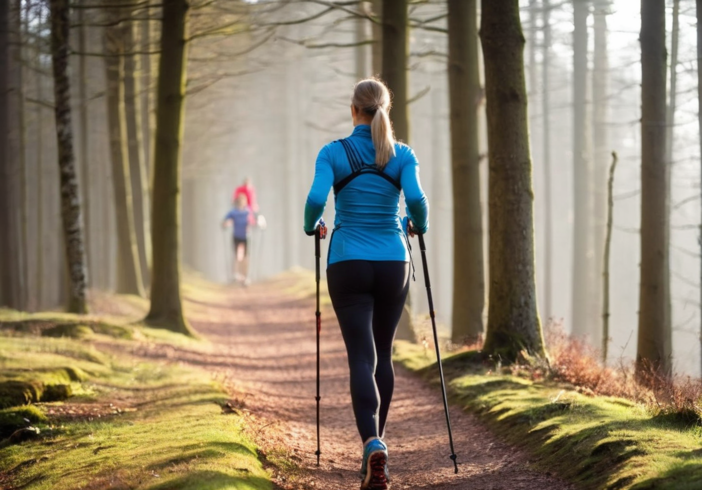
x=265, y=342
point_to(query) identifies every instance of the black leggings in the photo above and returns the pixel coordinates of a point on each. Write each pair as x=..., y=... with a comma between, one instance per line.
x=368, y=299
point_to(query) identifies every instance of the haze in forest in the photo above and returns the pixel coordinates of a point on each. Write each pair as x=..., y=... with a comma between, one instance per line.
x=262, y=101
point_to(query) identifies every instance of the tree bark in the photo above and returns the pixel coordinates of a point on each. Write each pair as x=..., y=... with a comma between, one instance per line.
x=654, y=339
x=465, y=99
x=135, y=146
x=546, y=148
x=531, y=88
x=84, y=138
x=582, y=257
x=513, y=319
x=395, y=63
x=10, y=271
x=600, y=115
x=670, y=131
x=698, y=5
x=394, y=73
x=19, y=24
x=166, y=304
x=40, y=225
x=70, y=194
x=377, y=50
x=129, y=279
x=147, y=94
x=361, y=52
x=605, y=262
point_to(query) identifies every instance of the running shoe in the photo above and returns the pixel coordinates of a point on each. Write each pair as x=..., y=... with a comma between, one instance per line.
x=374, y=470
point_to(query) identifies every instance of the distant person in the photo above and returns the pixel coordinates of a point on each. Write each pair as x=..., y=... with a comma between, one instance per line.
x=247, y=189
x=239, y=217
x=368, y=270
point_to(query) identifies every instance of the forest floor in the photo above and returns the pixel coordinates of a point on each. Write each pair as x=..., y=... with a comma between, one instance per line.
x=266, y=340
x=153, y=415
x=236, y=409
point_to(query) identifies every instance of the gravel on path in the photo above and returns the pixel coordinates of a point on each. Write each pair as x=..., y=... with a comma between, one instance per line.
x=264, y=343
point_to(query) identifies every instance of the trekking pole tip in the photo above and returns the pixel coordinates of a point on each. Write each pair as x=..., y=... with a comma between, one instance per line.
x=455, y=464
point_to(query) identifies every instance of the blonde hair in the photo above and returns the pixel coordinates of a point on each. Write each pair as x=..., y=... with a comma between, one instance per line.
x=372, y=97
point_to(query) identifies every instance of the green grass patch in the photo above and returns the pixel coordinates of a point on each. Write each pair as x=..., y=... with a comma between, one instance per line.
x=160, y=425
x=596, y=442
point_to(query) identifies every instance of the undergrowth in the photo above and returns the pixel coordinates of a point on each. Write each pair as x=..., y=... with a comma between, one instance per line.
x=600, y=427
x=81, y=408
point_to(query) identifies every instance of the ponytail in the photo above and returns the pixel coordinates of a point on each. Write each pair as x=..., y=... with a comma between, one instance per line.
x=383, y=138
x=373, y=97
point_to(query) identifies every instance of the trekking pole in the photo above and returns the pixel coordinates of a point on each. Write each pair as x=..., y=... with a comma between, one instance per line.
x=320, y=234
x=423, y=249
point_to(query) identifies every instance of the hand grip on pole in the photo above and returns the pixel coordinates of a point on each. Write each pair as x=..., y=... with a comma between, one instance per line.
x=321, y=230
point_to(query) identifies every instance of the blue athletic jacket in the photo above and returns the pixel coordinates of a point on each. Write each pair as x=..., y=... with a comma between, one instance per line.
x=367, y=224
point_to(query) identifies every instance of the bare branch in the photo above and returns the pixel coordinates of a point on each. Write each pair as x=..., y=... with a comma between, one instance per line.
x=245, y=51
x=300, y=21
x=306, y=44
x=419, y=95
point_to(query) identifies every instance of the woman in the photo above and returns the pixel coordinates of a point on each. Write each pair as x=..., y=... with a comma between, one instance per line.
x=239, y=217
x=368, y=265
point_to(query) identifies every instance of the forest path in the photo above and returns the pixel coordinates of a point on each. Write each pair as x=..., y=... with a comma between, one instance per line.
x=264, y=340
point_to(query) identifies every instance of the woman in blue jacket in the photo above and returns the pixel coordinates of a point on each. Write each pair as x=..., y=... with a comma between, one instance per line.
x=368, y=267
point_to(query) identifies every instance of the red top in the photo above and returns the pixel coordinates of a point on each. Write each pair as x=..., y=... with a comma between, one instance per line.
x=250, y=192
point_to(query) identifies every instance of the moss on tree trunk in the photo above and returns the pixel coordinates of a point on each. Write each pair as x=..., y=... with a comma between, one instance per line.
x=513, y=319
x=166, y=303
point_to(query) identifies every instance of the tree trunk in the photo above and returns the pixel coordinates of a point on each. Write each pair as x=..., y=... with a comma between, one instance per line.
x=546, y=148
x=531, y=89
x=582, y=257
x=669, y=138
x=361, y=51
x=70, y=194
x=466, y=96
x=600, y=115
x=513, y=319
x=10, y=271
x=135, y=145
x=654, y=340
x=166, y=304
x=129, y=279
x=395, y=63
x=377, y=50
x=21, y=154
x=40, y=225
x=84, y=138
x=605, y=262
x=699, y=126
x=146, y=113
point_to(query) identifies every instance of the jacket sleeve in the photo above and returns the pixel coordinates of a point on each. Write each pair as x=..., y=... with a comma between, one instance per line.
x=416, y=200
x=317, y=197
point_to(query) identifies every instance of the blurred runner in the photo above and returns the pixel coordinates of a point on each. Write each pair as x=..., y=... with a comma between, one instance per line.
x=247, y=189
x=239, y=217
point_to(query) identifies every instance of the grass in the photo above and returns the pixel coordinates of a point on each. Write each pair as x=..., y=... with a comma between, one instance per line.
x=598, y=442
x=127, y=424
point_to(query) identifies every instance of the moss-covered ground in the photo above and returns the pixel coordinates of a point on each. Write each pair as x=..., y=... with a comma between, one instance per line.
x=596, y=442
x=109, y=419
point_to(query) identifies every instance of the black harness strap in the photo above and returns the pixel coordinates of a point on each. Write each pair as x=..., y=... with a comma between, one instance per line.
x=358, y=168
